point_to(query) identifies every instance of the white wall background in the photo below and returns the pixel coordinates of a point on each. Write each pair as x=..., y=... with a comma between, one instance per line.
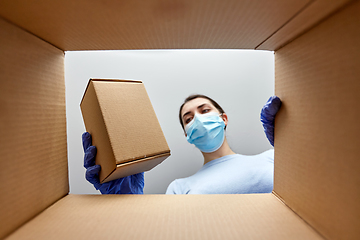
x=239, y=80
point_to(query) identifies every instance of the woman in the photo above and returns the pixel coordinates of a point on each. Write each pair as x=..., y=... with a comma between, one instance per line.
x=224, y=172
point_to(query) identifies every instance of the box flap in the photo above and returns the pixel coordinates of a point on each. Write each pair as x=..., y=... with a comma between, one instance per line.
x=312, y=13
x=33, y=149
x=253, y=216
x=317, y=146
x=105, y=80
x=152, y=24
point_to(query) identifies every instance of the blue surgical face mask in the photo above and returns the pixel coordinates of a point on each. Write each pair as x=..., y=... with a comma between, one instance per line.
x=206, y=132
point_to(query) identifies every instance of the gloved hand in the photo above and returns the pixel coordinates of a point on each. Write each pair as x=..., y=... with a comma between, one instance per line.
x=267, y=117
x=133, y=184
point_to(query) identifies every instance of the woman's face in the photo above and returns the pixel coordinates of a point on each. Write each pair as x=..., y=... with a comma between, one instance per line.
x=198, y=106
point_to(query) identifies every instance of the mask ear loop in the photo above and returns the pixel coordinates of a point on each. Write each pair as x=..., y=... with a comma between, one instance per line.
x=189, y=124
x=222, y=114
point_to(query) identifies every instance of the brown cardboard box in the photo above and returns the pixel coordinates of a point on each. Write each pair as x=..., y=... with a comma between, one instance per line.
x=124, y=128
x=316, y=187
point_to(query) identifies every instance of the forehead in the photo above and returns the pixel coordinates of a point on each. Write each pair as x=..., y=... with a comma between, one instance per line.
x=193, y=104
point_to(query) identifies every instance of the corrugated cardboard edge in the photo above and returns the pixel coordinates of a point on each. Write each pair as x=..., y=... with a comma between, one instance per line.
x=146, y=157
x=280, y=199
x=160, y=158
x=107, y=80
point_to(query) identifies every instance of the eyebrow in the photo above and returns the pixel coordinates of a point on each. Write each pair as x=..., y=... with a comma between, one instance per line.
x=200, y=106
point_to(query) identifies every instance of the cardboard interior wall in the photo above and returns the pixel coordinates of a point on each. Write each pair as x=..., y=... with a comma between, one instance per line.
x=316, y=172
x=168, y=217
x=317, y=146
x=33, y=148
x=154, y=24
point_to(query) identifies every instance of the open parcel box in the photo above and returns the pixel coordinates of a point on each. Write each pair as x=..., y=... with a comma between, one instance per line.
x=316, y=186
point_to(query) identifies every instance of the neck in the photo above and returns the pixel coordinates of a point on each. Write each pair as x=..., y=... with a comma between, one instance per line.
x=224, y=150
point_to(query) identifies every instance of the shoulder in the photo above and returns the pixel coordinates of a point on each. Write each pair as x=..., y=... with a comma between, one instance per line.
x=268, y=155
x=178, y=186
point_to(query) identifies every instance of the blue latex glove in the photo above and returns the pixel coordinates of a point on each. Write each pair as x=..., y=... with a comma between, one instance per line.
x=267, y=116
x=133, y=184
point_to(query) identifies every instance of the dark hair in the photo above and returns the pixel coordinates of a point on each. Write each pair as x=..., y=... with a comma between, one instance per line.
x=191, y=97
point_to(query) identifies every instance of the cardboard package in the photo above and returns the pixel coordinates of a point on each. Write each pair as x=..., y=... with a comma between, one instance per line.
x=316, y=187
x=121, y=120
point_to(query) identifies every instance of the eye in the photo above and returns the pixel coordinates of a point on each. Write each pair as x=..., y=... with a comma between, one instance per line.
x=205, y=111
x=188, y=120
